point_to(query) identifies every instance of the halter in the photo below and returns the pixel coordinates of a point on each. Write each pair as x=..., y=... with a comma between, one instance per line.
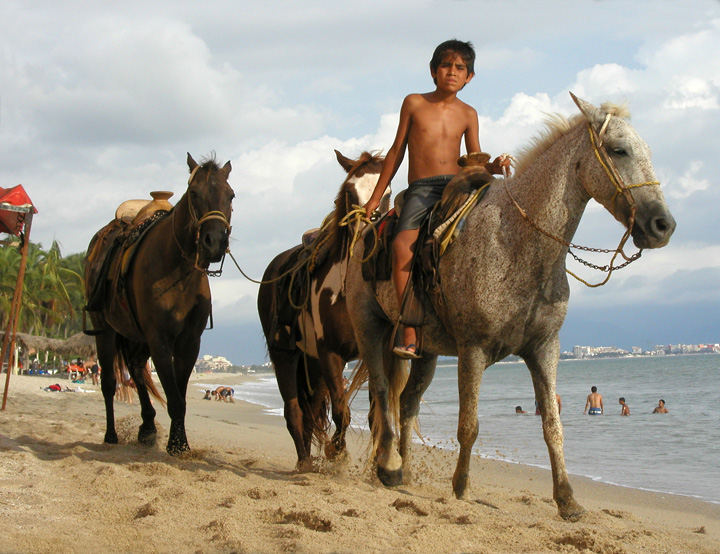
x=197, y=223
x=621, y=188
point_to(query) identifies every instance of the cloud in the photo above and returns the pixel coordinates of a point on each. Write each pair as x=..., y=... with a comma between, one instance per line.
x=99, y=109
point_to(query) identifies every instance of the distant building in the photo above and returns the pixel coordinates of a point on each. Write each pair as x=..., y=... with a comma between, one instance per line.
x=212, y=363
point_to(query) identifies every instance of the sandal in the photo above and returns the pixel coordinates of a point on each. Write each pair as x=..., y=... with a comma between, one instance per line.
x=407, y=352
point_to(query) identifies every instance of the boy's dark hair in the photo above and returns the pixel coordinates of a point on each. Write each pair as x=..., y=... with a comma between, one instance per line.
x=593, y=389
x=622, y=399
x=464, y=49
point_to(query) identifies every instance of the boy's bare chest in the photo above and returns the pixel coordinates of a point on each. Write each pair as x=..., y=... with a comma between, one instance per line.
x=439, y=122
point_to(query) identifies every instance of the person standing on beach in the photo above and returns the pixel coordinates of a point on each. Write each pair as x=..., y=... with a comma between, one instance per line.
x=625, y=410
x=432, y=127
x=594, y=402
x=660, y=408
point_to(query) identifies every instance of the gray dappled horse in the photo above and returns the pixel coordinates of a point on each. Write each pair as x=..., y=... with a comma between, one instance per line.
x=307, y=329
x=159, y=304
x=505, y=285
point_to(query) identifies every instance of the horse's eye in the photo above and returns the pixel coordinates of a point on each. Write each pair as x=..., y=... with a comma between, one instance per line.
x=619, y=151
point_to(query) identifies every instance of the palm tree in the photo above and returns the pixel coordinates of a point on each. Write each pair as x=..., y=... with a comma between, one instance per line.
x=53, y=295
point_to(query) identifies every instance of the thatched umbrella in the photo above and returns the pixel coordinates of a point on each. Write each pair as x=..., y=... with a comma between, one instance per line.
x=79, y=345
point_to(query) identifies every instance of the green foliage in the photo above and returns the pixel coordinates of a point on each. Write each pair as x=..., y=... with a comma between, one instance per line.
x=53, y=291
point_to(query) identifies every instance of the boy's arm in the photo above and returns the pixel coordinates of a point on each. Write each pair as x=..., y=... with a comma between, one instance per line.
x=472, y=140
x=394, y=156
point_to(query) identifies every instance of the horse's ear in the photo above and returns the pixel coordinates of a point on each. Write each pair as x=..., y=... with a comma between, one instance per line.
x=346, y=163
x=192, y=164
x=591, y=113
x=226, y=169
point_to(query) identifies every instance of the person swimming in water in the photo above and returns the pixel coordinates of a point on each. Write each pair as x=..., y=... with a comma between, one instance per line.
x=660, y=408
x=625, y=410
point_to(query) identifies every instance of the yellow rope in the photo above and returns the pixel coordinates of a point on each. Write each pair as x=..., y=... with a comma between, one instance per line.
x=450, y=233
x=357, y=215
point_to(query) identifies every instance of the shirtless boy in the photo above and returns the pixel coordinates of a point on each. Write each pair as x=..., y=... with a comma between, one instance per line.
x=660, y=408
x=594, y=402
x=432, y=127
x=625, y=410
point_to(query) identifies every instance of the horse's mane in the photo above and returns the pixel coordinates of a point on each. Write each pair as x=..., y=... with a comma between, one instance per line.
x=557, y=125
x=209, y=162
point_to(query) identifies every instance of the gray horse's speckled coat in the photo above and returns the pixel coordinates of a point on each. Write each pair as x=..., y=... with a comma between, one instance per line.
x=506, y=288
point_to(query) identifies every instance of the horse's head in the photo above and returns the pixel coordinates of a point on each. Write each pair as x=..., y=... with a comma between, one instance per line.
x=363, y=175
x=618, y=173
x=209, y=198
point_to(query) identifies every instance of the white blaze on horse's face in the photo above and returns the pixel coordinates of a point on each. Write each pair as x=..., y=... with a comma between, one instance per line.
x=365, y=185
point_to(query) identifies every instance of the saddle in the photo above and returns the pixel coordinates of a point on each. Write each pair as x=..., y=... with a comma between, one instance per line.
x=112, y=249
x=442, y=226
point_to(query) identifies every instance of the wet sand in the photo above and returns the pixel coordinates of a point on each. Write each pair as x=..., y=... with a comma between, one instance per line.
x=62, y=489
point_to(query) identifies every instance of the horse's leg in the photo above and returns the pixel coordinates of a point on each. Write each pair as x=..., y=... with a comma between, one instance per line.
x=471, y=364
x=543, y=370
x=187, y=348
x=286, y=374
x=421, y=374
x=108, y=384
x=332, y=367
x=377, y=356
x=163, y=360
x=147, y=434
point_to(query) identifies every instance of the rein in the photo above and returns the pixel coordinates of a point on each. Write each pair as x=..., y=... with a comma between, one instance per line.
x=197, y=223
x=620, y=189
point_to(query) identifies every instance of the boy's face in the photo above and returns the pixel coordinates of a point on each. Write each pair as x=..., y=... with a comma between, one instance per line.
x=452, y=73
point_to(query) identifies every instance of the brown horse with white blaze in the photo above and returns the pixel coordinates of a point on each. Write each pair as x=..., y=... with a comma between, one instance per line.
x=504, y=283
x=303, y=312
x=156, y=301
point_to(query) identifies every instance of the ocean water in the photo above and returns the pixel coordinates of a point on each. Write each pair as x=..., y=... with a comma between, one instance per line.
x=672, y=453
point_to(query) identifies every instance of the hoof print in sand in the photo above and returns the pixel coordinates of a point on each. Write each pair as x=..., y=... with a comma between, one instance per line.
x=307, y=519
x=408, y=507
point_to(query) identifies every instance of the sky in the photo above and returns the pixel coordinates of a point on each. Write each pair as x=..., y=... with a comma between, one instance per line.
x=100, y=102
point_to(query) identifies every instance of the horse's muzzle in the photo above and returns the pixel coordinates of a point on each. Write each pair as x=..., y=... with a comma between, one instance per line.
x=653, y=226
x=213, y=244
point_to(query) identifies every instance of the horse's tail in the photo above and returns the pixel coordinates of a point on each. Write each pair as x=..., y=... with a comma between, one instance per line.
x=314, y=401
x=143, y=377
x=396, y=372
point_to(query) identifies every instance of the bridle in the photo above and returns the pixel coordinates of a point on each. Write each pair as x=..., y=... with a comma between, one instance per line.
x=596, y=140
x=197, y=223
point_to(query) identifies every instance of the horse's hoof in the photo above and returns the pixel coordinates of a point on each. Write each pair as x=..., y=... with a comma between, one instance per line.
x=304, y=466
x=111, y=438
x=177, y=449
x=333, y=450
x=147, y=438
x=572, y=511
x=390, y=478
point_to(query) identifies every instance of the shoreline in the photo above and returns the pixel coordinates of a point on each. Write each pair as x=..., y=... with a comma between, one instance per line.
x=63, y=489
x=223, y=378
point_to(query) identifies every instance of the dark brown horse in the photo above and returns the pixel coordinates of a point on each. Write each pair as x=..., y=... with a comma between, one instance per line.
x=305, y=321
x=148, y=295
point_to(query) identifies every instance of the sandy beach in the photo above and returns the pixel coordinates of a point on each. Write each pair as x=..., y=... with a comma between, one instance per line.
x=63, y=490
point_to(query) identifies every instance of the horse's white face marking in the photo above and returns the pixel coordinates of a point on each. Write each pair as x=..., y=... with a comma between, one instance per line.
x=364, y=186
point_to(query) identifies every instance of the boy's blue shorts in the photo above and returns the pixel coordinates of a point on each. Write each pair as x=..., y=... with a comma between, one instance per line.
x=420, y=197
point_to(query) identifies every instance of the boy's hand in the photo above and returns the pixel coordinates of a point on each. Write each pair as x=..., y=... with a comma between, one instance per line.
x=500, y=165
x=371, y=206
